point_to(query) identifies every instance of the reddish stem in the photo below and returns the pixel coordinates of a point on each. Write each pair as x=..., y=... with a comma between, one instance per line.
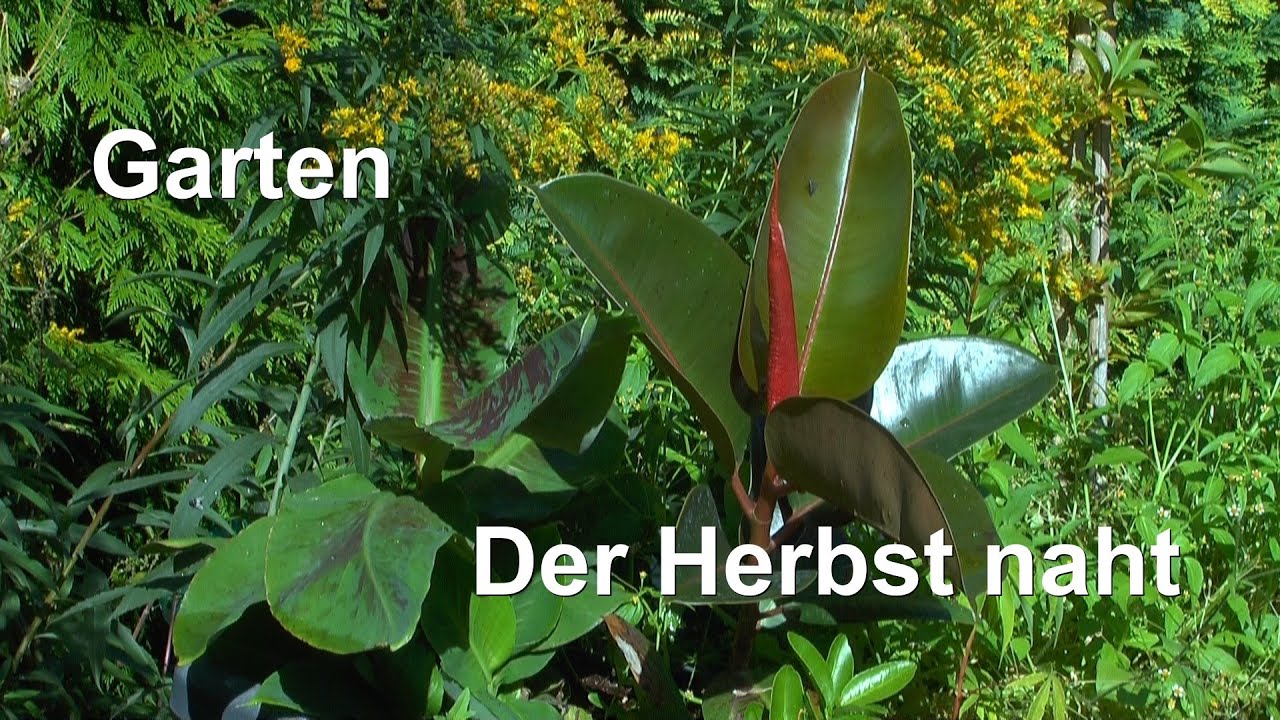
x=964, y=666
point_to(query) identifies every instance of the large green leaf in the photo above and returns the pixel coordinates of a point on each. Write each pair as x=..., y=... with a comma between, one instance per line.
x=492, y=630
x=944, y=394
x=582, y=612
x=837, y=452
x=520, y=481
x=786, y=699
x=679, y=279
x=844, y=185
x=485, y=419
x=572, y=415
x=229, y=582
x=348, y=567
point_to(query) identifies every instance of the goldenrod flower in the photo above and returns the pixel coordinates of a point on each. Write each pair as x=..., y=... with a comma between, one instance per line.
x=17, y=209
x=65, y=334
x=292, y=45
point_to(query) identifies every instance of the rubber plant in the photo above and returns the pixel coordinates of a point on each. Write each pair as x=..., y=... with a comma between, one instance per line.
x=793, y=363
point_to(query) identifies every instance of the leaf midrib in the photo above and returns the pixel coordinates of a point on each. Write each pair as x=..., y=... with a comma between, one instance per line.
x=828, y=268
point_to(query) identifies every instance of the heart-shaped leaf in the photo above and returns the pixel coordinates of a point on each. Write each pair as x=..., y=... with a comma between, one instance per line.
x=347, y=566
x=944, y=394
x=837, y=452
x=844, y=185
x=680, y=280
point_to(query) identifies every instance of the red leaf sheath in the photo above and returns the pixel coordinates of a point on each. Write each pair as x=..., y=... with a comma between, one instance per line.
x=784, y=365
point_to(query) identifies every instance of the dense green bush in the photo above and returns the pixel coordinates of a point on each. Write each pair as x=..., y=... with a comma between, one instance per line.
x=177, y=376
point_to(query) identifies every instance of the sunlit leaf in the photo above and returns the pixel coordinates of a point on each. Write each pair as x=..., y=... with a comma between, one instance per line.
x=229, y=582
x=944, y=394
x=680, y=280
x=845, y=204
x=348, y=566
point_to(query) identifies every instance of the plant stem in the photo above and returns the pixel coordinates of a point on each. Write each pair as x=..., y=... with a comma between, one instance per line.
x=1057, y=343
x=295, y=427
x=760, y=518
x=964, y=667
x=70, y=565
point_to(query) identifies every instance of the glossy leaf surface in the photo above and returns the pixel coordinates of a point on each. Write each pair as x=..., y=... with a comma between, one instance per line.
x=838, y=452
x=944, y=394
x=680, y=280
x=845, y=206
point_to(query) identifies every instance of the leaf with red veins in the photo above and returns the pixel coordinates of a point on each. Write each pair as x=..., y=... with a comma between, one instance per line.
x=784, y=366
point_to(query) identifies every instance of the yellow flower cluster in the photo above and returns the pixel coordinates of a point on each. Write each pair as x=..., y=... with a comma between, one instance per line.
x=366, y=125
x=17, y=209
x=357, y=126
x=1076, y=279
x=660, y=145
x=63, y=334
x=657, y=149
x=542, y=130
x=394, y=98
x=821, y=57
x=293, y=44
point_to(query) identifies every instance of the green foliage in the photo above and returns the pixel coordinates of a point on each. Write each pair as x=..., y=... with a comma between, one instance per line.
x=232, y=362
x=1219, y=57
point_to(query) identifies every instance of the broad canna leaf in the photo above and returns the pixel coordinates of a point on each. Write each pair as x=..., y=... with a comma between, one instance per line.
x=845, y=196
x=407, y=369
x=680, y=280
x=837, y=452
x=484, y=420
x=348, y=566
x=944, y=394
x=573, y=414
